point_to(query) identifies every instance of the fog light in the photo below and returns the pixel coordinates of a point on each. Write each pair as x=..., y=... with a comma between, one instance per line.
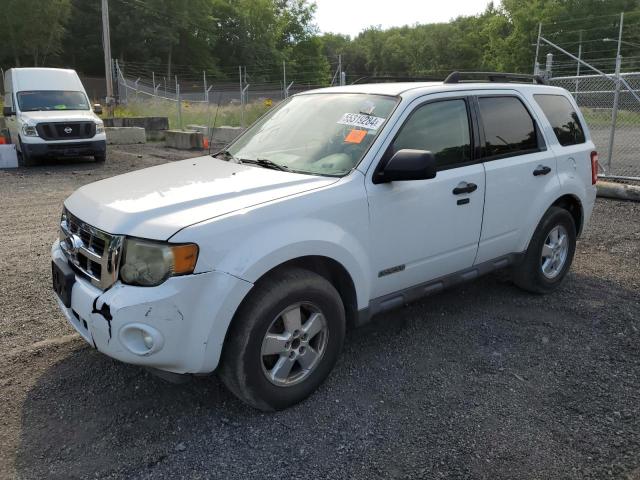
x=148, y=340
x=141, y=339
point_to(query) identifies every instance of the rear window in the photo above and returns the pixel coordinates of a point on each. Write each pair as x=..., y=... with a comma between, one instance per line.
x=508, y=128
x=563, y=118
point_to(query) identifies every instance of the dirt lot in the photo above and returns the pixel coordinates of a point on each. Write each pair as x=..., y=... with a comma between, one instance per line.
x=483, y=381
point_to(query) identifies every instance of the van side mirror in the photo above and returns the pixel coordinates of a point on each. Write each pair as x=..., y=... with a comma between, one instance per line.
x=97, y=108
x=408, y=165
x=8, y=111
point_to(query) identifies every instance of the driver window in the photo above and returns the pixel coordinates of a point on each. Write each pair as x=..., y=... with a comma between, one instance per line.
x=440, y=127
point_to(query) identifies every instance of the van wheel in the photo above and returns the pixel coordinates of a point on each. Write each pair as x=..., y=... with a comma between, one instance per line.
x=100, y=158
x=24, y=159
x=284, y=340
x=550, y=253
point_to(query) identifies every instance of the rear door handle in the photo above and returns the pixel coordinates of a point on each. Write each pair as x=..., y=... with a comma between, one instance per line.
x=541, y=170
x=465, y=187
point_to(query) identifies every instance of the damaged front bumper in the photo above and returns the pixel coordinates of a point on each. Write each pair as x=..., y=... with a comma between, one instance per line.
x=177, y=327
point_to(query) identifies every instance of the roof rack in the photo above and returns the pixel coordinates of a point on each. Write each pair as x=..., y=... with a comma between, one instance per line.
x=457, y=77
x=385, y=79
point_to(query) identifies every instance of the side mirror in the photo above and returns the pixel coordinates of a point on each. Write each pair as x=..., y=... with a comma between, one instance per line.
x=408, y=165
x=97, y=108
x=8, y=111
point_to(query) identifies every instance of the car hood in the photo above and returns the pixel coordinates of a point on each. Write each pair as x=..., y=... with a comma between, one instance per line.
x=156, y=202
x=58, y=116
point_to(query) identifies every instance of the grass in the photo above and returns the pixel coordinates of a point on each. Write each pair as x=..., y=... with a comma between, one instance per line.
x=602, y=117
x=193, y=113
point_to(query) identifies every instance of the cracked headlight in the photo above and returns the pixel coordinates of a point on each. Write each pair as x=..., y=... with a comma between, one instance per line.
x=147, y=263
x=29, y=131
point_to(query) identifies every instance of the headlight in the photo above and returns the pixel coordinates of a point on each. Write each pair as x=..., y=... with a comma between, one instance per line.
x=29, y=131
x=147, y=264
x=99, y=128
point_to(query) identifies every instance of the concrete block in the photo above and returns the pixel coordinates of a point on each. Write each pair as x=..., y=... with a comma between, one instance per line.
x=226, y=134
x=8, y=156
x=221, y=135
x=203, y=129
x=184, y=140
x=125, y=135
x=155, y=127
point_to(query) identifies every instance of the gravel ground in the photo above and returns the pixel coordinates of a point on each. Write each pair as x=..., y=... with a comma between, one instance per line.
x=482, y=381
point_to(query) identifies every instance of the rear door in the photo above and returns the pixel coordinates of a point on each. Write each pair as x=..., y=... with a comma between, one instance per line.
x=521, y=172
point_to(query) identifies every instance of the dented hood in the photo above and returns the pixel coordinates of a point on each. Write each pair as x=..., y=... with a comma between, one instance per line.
x=156, y=202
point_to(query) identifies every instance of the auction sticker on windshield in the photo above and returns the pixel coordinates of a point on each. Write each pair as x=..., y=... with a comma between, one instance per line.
x=363, y=121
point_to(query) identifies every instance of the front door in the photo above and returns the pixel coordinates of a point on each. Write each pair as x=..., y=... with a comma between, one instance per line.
x=425, y=229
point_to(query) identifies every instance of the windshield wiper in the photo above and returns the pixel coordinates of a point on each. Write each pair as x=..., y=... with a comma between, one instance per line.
x=263, y=162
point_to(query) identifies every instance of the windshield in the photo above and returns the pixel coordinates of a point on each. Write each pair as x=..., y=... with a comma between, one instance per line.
x=323, y=134
x=52, y=100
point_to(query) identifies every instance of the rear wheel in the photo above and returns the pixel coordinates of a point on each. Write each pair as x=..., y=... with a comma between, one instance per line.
x=284, y=340
x=550, y=253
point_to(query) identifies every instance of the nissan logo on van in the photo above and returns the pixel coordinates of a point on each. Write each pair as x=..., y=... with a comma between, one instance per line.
x=68, y=130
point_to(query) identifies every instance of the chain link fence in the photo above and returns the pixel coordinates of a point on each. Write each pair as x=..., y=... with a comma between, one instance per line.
x=205, y=102
x=613, y=115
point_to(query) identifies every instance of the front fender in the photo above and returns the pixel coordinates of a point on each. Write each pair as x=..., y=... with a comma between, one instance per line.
x=266, y=249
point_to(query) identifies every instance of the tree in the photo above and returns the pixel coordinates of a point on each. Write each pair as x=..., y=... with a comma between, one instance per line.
x=35, y=30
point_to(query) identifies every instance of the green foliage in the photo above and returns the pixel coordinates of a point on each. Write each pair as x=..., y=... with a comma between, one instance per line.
x=33, y=30
x=499, y=39
x=189, y=36
x=161, y=35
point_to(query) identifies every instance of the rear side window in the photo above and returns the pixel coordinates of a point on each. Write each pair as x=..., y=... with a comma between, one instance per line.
x=563, y=118
x=440, y=127
x=509, y=129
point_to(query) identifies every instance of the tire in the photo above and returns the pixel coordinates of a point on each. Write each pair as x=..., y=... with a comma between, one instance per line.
x=257, y=377
x=24, y=159
x=100, y=158
x=546, y=261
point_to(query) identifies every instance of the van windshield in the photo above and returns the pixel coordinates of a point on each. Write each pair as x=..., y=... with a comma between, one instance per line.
x=34, y=101
x=318, y=134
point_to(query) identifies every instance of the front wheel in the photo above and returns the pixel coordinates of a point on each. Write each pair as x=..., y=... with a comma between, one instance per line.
x=24, y=159
x=284, y=340
x=550, y=253
x=100, y=158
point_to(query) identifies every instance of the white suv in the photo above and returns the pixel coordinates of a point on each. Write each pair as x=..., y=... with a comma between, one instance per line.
x=337, y=205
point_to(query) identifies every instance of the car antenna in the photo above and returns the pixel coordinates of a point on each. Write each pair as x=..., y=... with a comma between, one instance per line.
x=213, y=125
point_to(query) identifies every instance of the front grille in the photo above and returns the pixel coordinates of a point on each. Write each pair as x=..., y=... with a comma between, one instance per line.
x=66, y=130
x=93, y=253
x=61, y=147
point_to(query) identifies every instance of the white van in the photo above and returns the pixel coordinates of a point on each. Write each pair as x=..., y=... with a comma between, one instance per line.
x=48, y=114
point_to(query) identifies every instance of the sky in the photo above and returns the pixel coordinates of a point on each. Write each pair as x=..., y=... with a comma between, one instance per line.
x=352, y=16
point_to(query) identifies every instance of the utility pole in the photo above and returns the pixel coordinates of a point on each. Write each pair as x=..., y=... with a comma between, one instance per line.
x=106, y=43
x=204, y=81
x=616, y=96
x=536, y=67
x=578, y=68
x=284, y=79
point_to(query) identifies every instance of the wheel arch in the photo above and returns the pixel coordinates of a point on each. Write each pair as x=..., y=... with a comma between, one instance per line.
x=572, y=204
x=567, y=201
x=330, y=269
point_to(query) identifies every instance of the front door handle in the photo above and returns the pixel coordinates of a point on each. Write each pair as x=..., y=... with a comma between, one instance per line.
x=464, y=187
x=541, y=170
